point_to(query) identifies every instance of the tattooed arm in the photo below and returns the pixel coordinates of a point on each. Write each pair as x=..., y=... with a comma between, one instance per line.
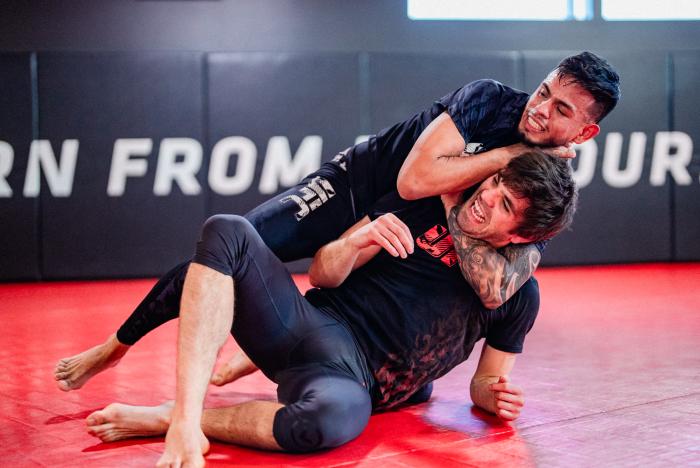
x=495, y=277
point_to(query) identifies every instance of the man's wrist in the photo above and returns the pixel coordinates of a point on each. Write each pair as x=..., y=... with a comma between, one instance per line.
x=513, y=152
x=353, y=244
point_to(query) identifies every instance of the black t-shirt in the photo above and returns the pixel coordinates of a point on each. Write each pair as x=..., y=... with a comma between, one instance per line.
x=417, y=318
x=485, y=112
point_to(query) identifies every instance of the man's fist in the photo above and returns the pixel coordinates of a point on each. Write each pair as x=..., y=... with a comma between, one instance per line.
x=509, y=399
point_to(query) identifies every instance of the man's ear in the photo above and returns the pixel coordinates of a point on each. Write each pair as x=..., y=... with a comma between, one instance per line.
x=516, y=239
x=587, y=132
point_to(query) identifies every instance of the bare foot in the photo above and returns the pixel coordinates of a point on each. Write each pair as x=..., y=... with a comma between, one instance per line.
x=71, y=373
x=118, y=421
x=182, y=448
x=238, y=366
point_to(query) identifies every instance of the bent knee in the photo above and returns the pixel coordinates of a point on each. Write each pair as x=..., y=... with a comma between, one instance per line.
x=301, y=427
x=226, y=235
x=226, y=224
x=422, y=395
x=223, y=242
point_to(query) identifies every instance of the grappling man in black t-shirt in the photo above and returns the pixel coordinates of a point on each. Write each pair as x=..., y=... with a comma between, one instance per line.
x=392, y=314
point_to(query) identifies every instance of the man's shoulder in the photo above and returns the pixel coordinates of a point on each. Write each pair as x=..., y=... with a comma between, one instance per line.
x=539, y=245
x=488, y=88
x=484, y=104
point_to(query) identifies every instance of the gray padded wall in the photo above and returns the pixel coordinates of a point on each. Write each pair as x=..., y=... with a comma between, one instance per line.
x=98, y=98
x=19, y=244
x=686, y=118
x=401, y=85
x=263, y=95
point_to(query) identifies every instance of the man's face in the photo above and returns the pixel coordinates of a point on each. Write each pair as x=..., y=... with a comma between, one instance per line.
x=493, y=213
x=557, y=113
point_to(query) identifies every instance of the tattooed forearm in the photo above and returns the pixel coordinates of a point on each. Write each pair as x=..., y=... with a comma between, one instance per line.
x=522, y=260
x=494, y=277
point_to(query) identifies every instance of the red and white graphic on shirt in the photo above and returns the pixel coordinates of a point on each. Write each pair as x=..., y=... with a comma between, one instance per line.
x=437, y=241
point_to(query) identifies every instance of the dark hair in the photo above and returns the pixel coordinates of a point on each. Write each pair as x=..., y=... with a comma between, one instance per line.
x=547, y=183
x=597, y=77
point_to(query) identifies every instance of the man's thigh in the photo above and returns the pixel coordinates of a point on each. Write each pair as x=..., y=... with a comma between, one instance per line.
x=297, y=222
x=270, y=315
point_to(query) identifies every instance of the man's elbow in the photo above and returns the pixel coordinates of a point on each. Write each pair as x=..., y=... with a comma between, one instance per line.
x=313, y=281
x=405, y=190
x=319, y=281
x=491, y=304
x=409, y=187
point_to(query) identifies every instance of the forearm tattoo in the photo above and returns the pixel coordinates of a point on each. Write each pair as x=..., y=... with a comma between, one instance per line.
x=494, y=276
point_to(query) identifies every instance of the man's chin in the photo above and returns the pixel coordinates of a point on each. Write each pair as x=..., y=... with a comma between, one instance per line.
x=527, y=138
x=543, y=142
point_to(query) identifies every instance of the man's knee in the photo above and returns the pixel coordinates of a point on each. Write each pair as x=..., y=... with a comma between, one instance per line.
x=226, y=225
x=422, y=395
x=223, y=239
x=318, y=423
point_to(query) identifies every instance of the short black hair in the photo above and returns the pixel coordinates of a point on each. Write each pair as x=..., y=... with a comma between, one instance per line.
x=597, y=77
x=547, y=183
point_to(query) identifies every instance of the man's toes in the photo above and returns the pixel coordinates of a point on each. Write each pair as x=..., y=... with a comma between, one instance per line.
x=222, y=379
x=63, y=375
x=96, y=418
x=224, y=375
x=65, y=369
x=65, y=362
x=110, y=436
x=102, y=431
x=217, y=379
x=66, y=385
x=96, y=429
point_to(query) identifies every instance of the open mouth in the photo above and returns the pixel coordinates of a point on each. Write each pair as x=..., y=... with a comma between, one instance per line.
x=478, y=211
x=534, y=124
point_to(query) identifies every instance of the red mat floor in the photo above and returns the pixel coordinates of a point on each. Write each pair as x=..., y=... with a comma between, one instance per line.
x=611, y=373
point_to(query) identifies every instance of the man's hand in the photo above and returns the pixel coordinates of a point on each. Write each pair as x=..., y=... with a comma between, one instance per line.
x=564, y=152
x=184, y=447
x=359, y=244
x=388, y=232
x=508, y=398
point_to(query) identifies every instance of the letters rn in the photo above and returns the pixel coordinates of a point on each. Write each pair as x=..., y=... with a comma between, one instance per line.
x=233, y=162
